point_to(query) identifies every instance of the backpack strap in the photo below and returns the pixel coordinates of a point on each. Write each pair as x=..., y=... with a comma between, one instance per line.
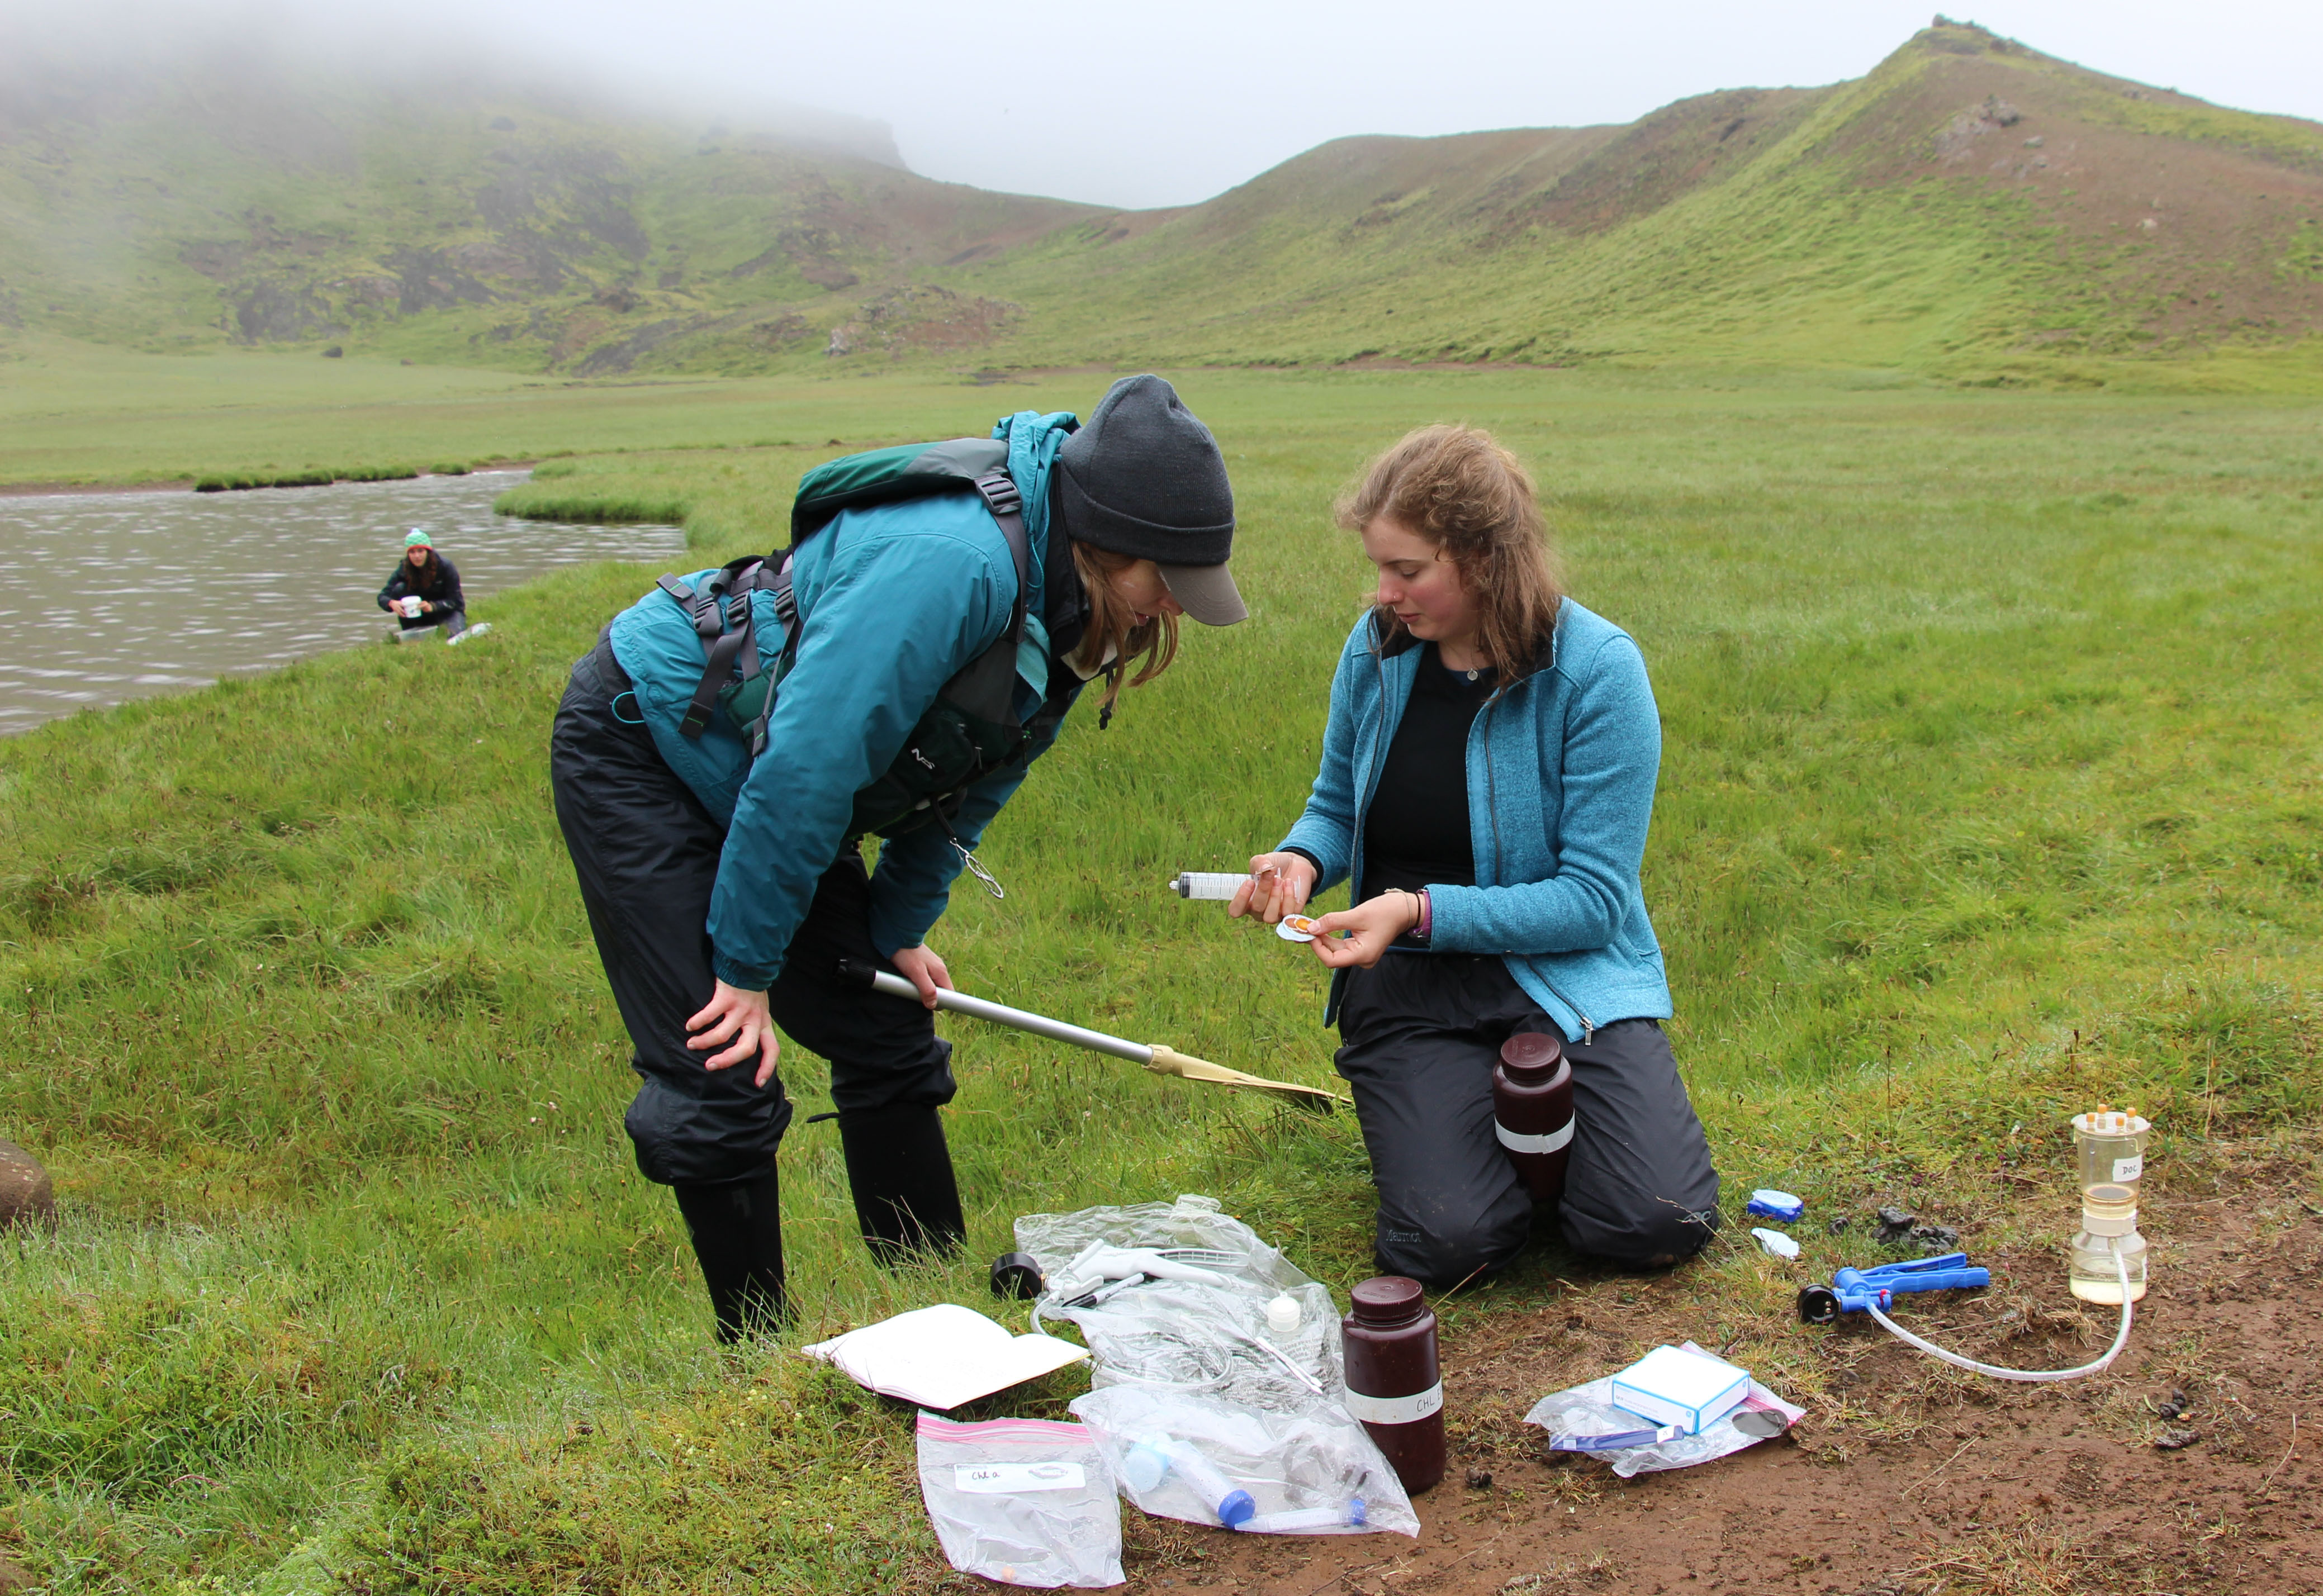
x=722, y=653
x=720, y=611
x=775, y=577
x=1008, y=507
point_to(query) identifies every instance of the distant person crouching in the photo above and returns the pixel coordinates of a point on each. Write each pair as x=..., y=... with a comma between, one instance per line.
x=424, y=591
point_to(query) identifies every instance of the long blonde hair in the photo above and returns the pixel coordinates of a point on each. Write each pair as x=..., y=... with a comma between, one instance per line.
x=1457, y=487
x=1116, y=639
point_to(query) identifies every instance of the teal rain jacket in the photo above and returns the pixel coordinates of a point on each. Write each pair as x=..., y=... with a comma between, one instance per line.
x=894, y=601
x=1560, y=773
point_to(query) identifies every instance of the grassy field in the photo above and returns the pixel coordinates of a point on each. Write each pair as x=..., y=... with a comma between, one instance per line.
x=1992, y=784
x=74, y=413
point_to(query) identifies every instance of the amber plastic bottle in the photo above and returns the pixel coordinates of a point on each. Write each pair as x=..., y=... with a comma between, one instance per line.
x=1532, y=1110
x=1393, y=1384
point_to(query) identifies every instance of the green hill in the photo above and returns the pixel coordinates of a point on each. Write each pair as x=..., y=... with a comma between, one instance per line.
x=251, y=201
x=1969, y=205
x=1970, y=209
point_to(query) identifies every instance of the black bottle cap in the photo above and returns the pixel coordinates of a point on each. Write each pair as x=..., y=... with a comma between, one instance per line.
x=1016, y=1275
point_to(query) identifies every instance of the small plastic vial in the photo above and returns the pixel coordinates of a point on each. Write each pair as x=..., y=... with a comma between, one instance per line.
x=1282, y=1315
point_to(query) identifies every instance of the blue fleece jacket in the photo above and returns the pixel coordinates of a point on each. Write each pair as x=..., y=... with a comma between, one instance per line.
x=894, y=601
x=1561, y=772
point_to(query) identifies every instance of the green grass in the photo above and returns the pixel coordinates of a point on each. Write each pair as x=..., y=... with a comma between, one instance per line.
x=1992, y=785
x=80, y=414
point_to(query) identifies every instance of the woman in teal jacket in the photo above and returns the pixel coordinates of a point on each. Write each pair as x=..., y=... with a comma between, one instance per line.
x=1486, y=784
x=725, y=891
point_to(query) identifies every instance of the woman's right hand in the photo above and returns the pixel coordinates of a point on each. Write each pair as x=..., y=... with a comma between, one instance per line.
x=1280, y=884
x=740, y=1017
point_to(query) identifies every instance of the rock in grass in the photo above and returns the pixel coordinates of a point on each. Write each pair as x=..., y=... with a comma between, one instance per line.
x=26, y=1196
x=1894, y=1226
x=2176, y=1440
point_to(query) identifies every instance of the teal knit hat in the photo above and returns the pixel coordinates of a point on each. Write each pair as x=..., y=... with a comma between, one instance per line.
x=416, y=538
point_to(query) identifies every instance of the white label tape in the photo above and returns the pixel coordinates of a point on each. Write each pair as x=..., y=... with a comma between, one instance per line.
x=1517, y=1142
x=2129, y=1168
x=1396, y=1410
x=1011, y=1479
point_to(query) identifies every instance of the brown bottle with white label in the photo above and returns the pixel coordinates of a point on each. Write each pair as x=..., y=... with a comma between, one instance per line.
x=1393, y=1384
x=1532, y=1110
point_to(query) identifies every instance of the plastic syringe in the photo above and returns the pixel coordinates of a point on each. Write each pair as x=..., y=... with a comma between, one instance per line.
x=1207, y=885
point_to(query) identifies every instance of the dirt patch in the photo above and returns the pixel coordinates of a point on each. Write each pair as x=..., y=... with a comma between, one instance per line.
x=921, y=316
x=1906, y=1478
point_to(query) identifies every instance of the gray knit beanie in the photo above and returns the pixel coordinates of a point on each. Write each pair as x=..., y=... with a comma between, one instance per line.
x=1145, y=479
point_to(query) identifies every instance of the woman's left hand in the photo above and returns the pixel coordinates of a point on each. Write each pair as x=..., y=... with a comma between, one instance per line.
x=1373, y=925
x=737, y=1021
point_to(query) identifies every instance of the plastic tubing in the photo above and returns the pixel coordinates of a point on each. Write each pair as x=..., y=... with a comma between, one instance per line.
x=1219, y=1355
x=2128, y=1312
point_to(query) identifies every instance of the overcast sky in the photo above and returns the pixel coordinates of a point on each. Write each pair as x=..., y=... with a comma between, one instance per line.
x=1171, y=101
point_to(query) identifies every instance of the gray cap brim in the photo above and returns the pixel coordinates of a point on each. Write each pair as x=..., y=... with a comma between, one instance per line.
x=1206, y=592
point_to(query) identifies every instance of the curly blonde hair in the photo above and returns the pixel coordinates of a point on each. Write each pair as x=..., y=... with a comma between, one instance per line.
x=1457, y=487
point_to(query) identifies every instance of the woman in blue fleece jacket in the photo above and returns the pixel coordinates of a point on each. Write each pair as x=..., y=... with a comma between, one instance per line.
x=1486, y=784
x=724, y=892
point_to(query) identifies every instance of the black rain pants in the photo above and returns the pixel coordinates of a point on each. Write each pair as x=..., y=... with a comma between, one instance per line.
x=1420, y=1033
x=646, y=852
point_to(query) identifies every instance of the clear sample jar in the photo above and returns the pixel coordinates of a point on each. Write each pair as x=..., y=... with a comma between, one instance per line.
x=2107, y=1246
x=2095, y=1274
x=2111, y=1147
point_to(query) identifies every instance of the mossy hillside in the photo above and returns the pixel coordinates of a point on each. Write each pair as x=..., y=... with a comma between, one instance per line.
x=1836, y=227
x=1991, y=787
x=219, y=199
x=1971, y=210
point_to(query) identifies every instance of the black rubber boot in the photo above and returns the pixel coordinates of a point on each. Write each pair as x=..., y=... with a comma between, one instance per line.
x=737, y=1228
x=906, y=1201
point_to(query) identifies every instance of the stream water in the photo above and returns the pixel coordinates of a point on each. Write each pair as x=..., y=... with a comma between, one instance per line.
x=110, y=596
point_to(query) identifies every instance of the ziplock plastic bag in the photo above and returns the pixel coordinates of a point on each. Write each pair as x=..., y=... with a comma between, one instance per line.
x=1204, y=1332
x=1588, y=1410
x=1185, y=1354
x=1316, y=1463
x=1026, y=1501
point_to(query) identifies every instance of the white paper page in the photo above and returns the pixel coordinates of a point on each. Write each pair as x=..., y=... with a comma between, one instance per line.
x=943, y=1356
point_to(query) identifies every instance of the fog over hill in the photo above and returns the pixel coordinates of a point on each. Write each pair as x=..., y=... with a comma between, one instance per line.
x=1971, y=207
